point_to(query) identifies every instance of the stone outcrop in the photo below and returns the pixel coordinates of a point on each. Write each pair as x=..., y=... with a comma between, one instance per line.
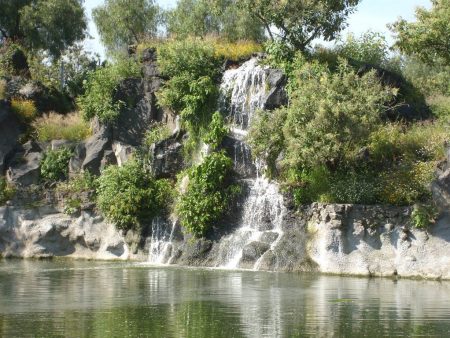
x=44, y=233
x=166, y=157
x=10, y=131
x=25, y=168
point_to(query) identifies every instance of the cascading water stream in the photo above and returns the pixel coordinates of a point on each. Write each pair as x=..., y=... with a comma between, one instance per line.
x=161, y=244
x=243, y=92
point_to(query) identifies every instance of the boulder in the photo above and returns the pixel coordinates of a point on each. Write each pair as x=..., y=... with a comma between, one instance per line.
x=26, y=170
x=95, y=148
x=77, y=159
x=137, y=115
x=277, y=96
x=10, y=130
x=253, y=251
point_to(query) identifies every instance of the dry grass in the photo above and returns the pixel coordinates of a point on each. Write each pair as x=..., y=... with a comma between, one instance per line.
x=54, y=126
x=2, y=89
x=24, y=109
x=234, y=51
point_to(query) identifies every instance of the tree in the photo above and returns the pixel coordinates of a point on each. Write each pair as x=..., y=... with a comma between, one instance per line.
x=428, y=38
x=298, y=22
x=125, y=22
x=49, y=25
x=213, y=17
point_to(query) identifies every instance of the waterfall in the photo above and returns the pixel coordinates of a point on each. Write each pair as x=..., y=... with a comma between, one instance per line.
x=244, y=92
x=161, y=243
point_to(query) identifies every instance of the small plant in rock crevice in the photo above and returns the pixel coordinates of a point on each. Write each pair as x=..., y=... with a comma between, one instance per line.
x=55, y=164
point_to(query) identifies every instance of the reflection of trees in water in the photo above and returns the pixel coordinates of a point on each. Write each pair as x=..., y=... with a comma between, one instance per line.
x=113, y=300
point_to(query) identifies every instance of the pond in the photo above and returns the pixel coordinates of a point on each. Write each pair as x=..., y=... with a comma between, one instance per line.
x=113, y=299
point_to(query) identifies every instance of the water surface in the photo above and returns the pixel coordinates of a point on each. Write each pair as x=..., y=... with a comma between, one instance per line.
x=64, y=298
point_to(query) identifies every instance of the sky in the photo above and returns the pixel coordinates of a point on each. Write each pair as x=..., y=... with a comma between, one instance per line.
x=370, y=15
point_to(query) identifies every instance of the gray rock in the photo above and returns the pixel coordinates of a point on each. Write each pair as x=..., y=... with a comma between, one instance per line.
x=42, y=233
x=95, y=149
x=166, y=158
x=26, y=170
x=10, y=131
x=77, y=159
x=253, y=251
x=123, y=153
x=276, y=97
x=109, y=158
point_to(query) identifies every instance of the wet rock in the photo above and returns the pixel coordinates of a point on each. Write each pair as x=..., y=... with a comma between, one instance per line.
x=269, y=237
x=238, y=150
x=253, y=251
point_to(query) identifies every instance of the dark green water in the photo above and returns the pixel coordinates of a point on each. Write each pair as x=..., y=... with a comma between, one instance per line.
x=92, y=299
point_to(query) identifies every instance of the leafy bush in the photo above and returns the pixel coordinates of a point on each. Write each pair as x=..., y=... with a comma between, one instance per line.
x=98, y=99
x=216, y=131
x=157, y=132
x=423, y=215
x=128, y=194
x=13, y=60
x=191, y=90
x=55, y=126
x=6, y=191
x=24, y=109
x=407, y=183
x=331, y=115
x=266, y=137
x=207, y=195
x=55, y=163
x=370, y=47
x=440, y=106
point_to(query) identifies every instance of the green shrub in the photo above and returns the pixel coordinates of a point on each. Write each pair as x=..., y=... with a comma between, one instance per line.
x=266, y=137
x=78, y=189
x=440, y=106
x=331, y=115
x=370, y=47
x=55, y=164
x=55, y=126
x=191, y=90
x=98, y=99
x=13, y=61
x=6, y=191
x=128, y=194
x=207, y=195
x=157, y=132
x=423, y=215
x=216, y=131
x=407, y=183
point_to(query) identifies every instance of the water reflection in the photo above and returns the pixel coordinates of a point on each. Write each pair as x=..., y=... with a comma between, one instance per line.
x=84, y=299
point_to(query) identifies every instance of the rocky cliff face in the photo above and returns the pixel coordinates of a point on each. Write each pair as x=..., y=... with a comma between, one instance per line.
x=262, y=232
x=337, y=239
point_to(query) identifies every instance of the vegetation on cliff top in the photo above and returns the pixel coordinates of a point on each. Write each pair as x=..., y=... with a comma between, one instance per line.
x=338, y=140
